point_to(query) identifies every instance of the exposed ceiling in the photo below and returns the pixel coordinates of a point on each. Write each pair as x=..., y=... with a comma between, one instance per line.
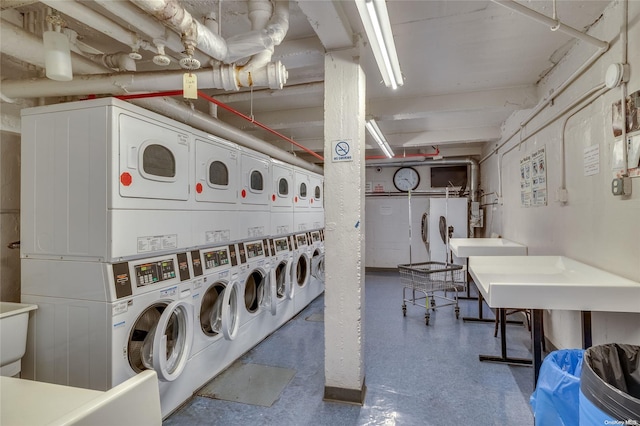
x=467, y=65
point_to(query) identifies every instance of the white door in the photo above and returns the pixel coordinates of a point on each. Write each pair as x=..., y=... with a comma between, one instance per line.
x=216, y=173
x=154, y=160
x=255, y=177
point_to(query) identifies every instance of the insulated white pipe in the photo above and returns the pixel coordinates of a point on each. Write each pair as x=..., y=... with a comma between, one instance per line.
x=225, y=77
x=260, y=12
x=172, y=14
x=277, y=28
x=180, y=112
x=16, y=42
x=95, y=20
x=557, y=25
x=145, y=24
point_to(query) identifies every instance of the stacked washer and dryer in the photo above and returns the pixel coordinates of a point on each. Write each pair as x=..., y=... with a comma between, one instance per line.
x=146, y=244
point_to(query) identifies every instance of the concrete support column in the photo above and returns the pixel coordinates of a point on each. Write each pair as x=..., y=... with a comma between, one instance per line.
x=344, y=149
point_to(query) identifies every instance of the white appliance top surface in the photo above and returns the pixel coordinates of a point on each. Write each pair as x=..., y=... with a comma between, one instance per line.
x=8, y=309
x=551, y=282
x=25, y=402
x=465, y=247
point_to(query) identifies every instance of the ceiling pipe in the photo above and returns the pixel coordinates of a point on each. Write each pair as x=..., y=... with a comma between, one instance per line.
x=474, y=175
x=120, y=83
x=555, y=24
x=276, y=23
x=173, y=15
x=558, y=90
x=16, y=42
x=178, y=111
x=147, y=25
x=95, y=20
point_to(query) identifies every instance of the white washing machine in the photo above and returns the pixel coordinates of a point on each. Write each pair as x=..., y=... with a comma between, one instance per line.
x=100, y=324
x=316, y=281
x=97, y=170
x=258, y=291
x=282, y=261
x=254, y=217
x=282, y=194
x=301, y=271
x=216, y=188
x=217, y=296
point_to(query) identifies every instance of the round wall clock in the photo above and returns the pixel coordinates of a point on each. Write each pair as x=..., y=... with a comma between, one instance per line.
x=406, y=179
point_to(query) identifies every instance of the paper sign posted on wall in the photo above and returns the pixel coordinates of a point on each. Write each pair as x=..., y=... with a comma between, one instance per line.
x=533, y=179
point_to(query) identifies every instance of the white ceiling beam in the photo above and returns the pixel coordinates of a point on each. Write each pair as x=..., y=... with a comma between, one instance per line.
x=443, y=137
x=297, y=89
x=300, y=53
x=328, y=20
x=419, y=107
x=283, y=119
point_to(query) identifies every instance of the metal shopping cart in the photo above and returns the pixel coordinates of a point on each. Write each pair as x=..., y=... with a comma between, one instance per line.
x=429, y=278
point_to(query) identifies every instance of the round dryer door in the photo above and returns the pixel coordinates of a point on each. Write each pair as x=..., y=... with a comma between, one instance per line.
x=230, y=310
x=172, y=340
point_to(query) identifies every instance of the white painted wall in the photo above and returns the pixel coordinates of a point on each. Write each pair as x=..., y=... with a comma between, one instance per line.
x=594, y=227
x=9, y=217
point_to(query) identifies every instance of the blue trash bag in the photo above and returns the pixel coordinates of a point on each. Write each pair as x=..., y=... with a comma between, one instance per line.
x=555, y=399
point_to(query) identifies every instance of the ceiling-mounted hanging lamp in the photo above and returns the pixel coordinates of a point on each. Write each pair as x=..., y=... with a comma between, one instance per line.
x=378, y=28
x=377, y=135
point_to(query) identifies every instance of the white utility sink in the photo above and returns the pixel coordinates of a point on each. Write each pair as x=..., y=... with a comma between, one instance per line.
x=551, y=282
x=467, y=247
x=14, y=319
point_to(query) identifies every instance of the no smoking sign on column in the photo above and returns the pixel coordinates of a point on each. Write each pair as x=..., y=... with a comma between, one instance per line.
x=341, y=151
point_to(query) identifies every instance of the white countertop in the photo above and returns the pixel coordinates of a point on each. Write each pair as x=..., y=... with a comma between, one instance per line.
x=551, y=282
x=25, y=402
x=466, y=247
x=30, y=403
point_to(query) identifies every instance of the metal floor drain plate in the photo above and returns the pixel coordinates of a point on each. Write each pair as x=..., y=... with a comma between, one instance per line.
x=252, y=384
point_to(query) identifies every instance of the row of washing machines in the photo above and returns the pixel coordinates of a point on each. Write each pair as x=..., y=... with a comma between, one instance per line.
x=147, y=244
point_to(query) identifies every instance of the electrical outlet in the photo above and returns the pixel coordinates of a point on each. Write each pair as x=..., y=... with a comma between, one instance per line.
x=562, y=195
x=621, y=186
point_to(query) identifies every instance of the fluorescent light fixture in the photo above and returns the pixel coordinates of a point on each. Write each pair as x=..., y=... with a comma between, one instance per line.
x=378, y=28
x=377, y=135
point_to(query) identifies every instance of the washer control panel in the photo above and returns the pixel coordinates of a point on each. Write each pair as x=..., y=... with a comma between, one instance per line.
x=154, y=272
x=215, y=258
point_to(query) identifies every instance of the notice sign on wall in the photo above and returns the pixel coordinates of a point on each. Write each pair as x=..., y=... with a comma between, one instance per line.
x=341, y=151
x=592, y=160
x=533, y=179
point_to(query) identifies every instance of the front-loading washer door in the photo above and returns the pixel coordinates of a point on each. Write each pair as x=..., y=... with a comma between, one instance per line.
x=172, y=340
x=279, y=276
x=302, y=270
x=270, y=300
x=231, y=310
x=317, y=265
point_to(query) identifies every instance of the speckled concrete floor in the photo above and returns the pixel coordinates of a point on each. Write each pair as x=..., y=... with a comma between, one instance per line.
x=415, y=374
